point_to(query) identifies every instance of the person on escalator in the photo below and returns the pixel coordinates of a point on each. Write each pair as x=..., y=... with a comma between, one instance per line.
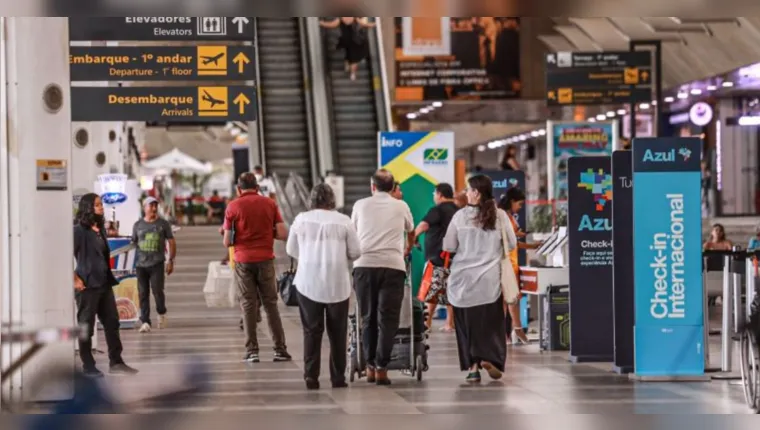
x=266, y=185
x=353, y=39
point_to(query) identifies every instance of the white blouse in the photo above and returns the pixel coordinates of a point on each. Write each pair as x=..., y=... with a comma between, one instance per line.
x=475, y=278
x=324, y=243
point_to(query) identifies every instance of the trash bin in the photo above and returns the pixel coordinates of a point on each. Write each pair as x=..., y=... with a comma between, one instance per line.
x=556, y=329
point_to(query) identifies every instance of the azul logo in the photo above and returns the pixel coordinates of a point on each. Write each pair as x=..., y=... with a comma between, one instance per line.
x=391, y=143
x=667, y=156
x=513, y=182
x=113, y=198
x=600, y=186
x=436, y=156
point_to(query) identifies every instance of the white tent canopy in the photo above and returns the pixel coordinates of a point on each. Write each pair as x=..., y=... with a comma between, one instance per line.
x=178, y=160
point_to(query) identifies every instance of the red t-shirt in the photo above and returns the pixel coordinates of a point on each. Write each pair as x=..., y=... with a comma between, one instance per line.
x=255, y=218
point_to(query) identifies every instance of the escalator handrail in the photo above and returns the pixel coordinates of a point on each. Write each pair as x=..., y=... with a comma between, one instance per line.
x=283, y=201
x=311, y=133
x=302, y=190
x=330, y=94
x=385, y=120
x=259, y=105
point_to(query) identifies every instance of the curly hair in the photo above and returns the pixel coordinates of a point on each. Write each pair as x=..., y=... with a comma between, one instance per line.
x=322, y=197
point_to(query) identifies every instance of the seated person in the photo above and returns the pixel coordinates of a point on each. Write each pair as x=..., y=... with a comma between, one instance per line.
x=215, y=207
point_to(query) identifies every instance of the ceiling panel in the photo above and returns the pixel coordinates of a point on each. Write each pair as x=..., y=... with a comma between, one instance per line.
x=603, y=32
x=577, y=37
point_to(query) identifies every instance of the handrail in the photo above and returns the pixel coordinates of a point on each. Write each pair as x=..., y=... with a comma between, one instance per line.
x=309, y=99
x=283, y=201
x=383, y=75
x=330, y=113
x=259, y=105
x=301, y=189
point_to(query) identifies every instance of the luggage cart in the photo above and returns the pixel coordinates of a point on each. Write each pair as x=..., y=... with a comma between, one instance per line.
x=410, y=345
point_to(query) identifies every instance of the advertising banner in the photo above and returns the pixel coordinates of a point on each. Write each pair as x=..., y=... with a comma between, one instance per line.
x=622, y=267
x=471, y=58
x=123, y=259
x=418, y=161
x=575, y=139
x=502, y=181
x=589, y=221
x=667, y=257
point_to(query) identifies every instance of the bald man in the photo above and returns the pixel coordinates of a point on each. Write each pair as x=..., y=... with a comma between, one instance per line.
x=382, y=222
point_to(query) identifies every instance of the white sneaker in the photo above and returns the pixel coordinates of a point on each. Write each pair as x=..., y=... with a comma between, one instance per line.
x=162, y=322
x=145, y=328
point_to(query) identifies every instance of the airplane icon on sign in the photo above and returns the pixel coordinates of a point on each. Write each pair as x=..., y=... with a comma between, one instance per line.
x=207, y=98
x=215, y=59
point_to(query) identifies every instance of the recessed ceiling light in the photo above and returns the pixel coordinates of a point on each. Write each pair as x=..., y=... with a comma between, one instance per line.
x=411, y=115
x=621, y=112
x=711, y=88
x=654, y=103
x=696, y=91
x=481, y=148
x=728, y=84
x=425, y=110
x=592, y=120
x=534, y=133
x=601, y=117
x=683, y=96
x=493, y=145
x=611, y=114
x=669, y=99
x=542, y=132
x=437, y=104
x=644, y=106
x=523, y=137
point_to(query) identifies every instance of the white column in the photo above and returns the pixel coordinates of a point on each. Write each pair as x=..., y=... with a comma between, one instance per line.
x=36, y=267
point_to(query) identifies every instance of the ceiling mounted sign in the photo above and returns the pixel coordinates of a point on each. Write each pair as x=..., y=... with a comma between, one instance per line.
x=701, y=114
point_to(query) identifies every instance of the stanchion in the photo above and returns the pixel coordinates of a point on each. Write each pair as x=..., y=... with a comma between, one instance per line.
x=731, y=293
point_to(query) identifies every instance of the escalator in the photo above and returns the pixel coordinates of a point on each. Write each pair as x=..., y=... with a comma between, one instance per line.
x=356, y=117
x=284, y=123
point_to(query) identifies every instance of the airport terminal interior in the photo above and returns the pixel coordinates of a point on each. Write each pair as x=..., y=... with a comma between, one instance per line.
x=623, y=154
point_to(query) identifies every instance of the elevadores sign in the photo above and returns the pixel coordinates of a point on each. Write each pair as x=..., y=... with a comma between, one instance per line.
x=589, y=223
x=669, y=325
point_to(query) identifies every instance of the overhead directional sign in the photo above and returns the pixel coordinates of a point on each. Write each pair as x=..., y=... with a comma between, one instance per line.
x=162, y=63
x=200, y=103
x=148, y=28
x=590, y=78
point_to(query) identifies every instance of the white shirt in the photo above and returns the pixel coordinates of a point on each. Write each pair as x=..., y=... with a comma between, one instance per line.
x=475, y=277
x=381, y=222
x=266, y=187
x=324, y=243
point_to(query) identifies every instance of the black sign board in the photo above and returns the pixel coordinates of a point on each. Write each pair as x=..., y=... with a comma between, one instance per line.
x=589, y=223
x=147, y=28
x=502, y=181
x=589, y=78
x=162, y=63
x=622, y=268
x=165, y=104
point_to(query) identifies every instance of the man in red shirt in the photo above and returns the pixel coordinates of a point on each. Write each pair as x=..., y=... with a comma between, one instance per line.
x=251, y=223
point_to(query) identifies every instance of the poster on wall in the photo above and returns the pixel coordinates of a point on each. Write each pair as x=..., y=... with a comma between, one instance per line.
x=589, y=221
x=669, y=332
x=418, y=161
x=471, y=58
x=575, y=139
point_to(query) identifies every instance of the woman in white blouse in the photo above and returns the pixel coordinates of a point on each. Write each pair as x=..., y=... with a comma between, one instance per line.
x=474, y=288
x=324, y=242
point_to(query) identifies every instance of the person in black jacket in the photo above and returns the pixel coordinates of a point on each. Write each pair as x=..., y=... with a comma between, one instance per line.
x=94, y=282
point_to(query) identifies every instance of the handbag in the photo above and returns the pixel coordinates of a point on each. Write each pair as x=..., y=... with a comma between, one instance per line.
x=510, y=290
x=287, y=288
x=428, y=279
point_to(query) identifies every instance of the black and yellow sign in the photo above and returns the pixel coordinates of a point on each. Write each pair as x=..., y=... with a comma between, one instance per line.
x=588, y=78
x=162, y=63
x=164, y=104
x=162, y=28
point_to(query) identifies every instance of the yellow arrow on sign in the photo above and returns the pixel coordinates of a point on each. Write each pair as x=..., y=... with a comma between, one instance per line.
x=242, y=100
x=241, y=60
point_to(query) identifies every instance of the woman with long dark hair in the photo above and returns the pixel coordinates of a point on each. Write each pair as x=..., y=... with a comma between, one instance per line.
x=474, y=288
x=511, y=203
x=509, y=161
x=94, y=282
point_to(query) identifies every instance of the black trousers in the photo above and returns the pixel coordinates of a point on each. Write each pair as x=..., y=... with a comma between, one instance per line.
x=380, y=293
x=151, y=278
x=481, y=335
x=314, y=317
x=99, y=302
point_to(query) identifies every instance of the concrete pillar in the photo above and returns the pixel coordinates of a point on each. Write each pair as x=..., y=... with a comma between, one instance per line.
x=37, y=245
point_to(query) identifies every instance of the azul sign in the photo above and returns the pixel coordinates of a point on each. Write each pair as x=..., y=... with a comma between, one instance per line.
x=666, y=157
x=668, y=291
x=599, y=184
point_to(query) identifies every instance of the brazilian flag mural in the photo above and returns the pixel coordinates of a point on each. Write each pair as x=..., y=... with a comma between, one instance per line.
x=418, y=161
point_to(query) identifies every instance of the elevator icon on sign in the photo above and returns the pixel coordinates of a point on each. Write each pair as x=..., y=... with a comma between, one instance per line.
x=212, y=26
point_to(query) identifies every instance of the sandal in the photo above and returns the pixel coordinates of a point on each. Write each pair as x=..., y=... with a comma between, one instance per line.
x=493, y=372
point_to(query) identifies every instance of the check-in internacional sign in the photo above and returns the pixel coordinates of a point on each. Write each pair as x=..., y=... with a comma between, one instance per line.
x=156, y=104
x=592, y=78
x=162, y=63
x=151, y=28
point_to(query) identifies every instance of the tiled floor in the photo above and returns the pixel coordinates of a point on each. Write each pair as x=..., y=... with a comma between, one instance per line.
x=534, y=383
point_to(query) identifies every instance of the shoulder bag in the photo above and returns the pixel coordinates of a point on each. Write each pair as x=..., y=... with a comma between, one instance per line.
x=287, y=288
x=510, y=289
